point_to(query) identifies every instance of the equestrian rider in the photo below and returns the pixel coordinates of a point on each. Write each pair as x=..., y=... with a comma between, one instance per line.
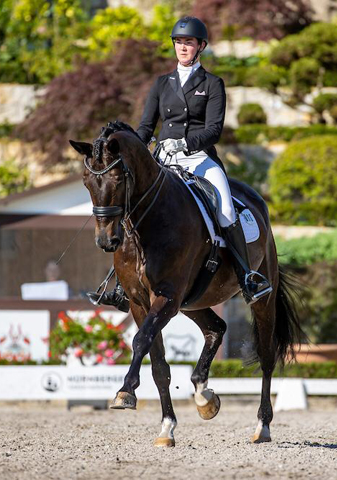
x=191, y=104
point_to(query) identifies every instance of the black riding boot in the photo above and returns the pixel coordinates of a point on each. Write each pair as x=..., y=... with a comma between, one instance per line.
x=117, y=298
x=254, y=285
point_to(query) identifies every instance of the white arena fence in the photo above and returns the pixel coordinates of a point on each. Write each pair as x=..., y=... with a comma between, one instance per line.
x=53, y=382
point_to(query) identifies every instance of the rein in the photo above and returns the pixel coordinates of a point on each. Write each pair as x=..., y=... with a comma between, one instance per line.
x=115, y=211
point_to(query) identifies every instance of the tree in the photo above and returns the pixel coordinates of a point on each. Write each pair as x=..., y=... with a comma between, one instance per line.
x=303, y=182
x=259, y=19
x=75, y=105
x=300, y=64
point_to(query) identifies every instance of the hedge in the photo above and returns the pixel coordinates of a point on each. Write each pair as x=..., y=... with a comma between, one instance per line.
x=237, y=369
x=304, y=251
x=303, y=184
x=259, y=134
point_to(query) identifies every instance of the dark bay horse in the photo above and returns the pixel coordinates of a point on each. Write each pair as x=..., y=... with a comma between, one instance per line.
x=158, y=261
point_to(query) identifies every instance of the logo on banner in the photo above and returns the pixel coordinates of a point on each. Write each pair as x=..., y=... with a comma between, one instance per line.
x=51, y=382
x=15, y=345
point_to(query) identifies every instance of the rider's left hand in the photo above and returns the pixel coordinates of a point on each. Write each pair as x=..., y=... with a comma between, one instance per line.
x=172, y=146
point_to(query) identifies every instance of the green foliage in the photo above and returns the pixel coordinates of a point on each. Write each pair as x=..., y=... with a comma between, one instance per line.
x=311, y=57
x=6, y=129
x=251, y=113
x=252, y=171
x=13, y=179
x=39, y=40
x=97, y=337
x=111, y=24
x=304, y=251
x=303, y=182
x=160, y=28
x=260, y=134
x=237, y=369
x=324, y=101
x=303, y=76
x=234, y=71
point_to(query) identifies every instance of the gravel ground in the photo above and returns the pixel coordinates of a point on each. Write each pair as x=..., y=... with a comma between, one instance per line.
x=45, y=441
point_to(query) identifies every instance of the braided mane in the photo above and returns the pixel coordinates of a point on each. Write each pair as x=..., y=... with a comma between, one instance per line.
x=112, y=127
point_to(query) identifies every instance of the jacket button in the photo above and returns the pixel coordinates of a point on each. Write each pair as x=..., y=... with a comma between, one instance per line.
x=168, y=109
x=185, y=124
x=185, y=109
x=170, y=125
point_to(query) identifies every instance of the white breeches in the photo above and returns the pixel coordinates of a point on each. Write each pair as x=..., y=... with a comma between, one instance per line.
x=201, y=164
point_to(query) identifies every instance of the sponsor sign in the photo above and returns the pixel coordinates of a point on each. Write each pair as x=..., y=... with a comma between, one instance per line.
x=91, y=383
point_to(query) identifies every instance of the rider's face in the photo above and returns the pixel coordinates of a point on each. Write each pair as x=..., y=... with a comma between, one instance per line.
x=186, y=48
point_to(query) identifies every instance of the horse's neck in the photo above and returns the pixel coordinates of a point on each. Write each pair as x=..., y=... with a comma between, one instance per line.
x=146, y=171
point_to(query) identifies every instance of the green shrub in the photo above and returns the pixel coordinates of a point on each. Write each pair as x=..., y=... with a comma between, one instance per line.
x=13, y=179
x=251, y=113
x=252, y=171
x=299, y=252
x=303, y=75
x=237, y=369
x=324, y=101
x=303, y=182
x=259, y=134
x=333, y=113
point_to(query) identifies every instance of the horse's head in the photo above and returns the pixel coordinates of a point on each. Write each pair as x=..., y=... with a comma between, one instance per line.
x=108, y=179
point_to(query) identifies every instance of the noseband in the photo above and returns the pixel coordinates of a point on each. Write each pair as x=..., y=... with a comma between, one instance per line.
x=115, y=211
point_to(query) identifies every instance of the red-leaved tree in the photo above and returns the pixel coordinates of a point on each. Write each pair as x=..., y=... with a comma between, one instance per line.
x=75, y=105
x=259, y=19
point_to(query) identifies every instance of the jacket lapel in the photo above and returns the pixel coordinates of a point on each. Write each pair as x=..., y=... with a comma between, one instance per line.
x=174, y=81
x=194, y=80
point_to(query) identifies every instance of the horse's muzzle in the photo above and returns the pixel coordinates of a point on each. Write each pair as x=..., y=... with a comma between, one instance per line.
x=109, y=245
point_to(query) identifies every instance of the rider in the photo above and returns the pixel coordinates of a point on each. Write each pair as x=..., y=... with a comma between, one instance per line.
x=191, y=103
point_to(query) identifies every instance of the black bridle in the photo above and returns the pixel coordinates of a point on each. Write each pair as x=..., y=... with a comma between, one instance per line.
x=115, y=211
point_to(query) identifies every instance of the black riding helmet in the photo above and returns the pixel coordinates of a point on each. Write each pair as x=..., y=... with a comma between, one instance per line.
x=190, y=27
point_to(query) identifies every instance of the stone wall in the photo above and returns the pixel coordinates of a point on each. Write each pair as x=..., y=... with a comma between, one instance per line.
x=17, y=100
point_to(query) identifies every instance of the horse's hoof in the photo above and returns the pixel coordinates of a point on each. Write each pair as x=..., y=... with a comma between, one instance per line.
x=260, y=438
x=124, y=400
x=164, y=442
x=208, y=411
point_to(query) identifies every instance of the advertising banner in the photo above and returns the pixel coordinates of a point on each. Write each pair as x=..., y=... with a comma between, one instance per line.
x=92, y=383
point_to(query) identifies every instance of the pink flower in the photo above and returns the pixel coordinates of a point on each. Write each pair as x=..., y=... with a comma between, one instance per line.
x=102, y=345
x=122, y=344
x=99, y=358
x=78, y=352
x=109, y=353
x=88, y=328
x=111, y=361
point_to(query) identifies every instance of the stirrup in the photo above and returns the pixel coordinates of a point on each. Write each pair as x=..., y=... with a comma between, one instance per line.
x=262, y=283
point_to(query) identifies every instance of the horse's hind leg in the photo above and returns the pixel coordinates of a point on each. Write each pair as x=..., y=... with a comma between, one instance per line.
x=264, y=315
x=213, y=328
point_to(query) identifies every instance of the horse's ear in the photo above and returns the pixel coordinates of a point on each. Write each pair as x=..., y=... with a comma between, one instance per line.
x=113, y=146
x=82, y=147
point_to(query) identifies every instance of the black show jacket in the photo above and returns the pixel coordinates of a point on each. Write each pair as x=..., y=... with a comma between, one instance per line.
x=195, y=112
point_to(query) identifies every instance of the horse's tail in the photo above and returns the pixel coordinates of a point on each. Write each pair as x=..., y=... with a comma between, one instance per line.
x=288, y=330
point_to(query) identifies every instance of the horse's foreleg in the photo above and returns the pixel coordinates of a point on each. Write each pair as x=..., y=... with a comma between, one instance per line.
x=162, y=377
x=161, y=311
x=213, y=328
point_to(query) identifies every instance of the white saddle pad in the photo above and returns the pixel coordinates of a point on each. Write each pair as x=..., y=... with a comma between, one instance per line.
x=247, y=219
